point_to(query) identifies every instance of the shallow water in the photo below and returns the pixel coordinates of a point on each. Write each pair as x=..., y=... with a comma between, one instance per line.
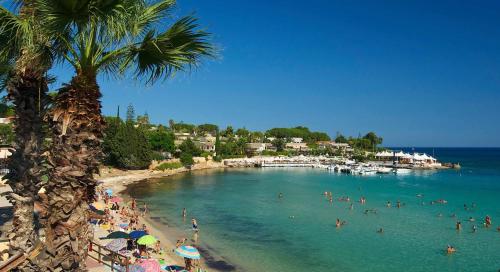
x=242, y=219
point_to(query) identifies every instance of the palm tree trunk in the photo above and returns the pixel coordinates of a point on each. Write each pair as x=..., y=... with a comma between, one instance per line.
x=77, y=126
x=27, y=89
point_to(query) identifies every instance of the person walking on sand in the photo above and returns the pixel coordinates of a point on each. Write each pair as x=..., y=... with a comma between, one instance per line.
x=194, y=224
x=145, y=209
x=133, y=205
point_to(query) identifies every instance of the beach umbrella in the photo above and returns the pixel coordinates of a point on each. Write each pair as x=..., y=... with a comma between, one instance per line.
x=109, y=192
x=123, y=225
x=116, y=244
x=97, y=211
x=188, y=252
x=118, y=235
x=146, y=240
x=150, y=265
x=115, y=199
x=98, y=205
x=136, y=234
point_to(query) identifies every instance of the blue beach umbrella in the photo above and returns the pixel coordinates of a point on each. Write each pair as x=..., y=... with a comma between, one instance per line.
x=136, y=234
x=188, y=252
x=109, y=192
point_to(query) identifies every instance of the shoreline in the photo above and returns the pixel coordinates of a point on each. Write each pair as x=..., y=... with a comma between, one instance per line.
x=119, y=180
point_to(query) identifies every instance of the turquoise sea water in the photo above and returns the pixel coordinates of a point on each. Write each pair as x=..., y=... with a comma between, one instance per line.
x=242, y=220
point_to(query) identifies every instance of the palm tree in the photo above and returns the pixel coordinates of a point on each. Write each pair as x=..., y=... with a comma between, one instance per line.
x=115, y=37
x=25, y=60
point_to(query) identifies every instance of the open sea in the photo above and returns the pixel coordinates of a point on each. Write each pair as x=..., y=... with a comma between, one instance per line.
x=244, y=223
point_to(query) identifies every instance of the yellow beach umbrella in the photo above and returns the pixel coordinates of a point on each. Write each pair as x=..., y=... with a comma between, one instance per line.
x=99, y=205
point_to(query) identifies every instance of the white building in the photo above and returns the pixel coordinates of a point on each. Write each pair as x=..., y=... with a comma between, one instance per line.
x=296, y=140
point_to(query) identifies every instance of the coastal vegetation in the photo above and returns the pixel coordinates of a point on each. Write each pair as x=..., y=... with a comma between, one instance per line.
x=94, y=37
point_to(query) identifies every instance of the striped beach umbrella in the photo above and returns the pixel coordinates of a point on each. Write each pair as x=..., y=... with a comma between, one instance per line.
x=146, y=240
x=188, y=252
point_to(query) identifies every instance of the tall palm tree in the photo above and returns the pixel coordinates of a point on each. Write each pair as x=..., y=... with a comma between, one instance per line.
x=130, y=37
x=25, y=57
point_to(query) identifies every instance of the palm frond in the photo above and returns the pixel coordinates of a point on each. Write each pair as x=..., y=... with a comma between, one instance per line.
x=161, y=55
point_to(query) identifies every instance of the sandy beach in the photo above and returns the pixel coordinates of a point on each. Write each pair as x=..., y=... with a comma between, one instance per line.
x=117, y=180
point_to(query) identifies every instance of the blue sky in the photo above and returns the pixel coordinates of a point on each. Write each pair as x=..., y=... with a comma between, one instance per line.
x=419, y=73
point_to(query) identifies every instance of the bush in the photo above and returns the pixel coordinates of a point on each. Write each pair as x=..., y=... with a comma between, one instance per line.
x=187, y=159
x=168, y=166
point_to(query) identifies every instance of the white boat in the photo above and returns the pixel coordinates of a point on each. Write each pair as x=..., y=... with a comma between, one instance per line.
x=402, y=171
x=384, y=170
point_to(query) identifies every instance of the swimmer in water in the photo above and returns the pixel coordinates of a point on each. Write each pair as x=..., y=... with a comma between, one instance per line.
x=388, y=204
x=398, y=204
x=351, y=207
x=381, y=230
x=420, y=195
x=458, y=226
x=337, y=223
x=487, y=221
x=280, y=195
x=471, y=219
x=474, y=228
x=450, y=249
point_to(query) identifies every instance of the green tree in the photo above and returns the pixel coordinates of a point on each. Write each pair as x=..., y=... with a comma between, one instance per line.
x=373, y=139
x=129, y=148
x=130, y=113
x=143, y=119
x=6, y=134
x=340, y=139
x=228, y=132
x=112, y=37
x=186, y=159
x=188, y=146
x=208, y=128
x=162, y=140
x=24, y=62
x=279, y=143
x=243, y=132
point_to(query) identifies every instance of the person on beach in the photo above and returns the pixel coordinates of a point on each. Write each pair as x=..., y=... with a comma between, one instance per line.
x=133, y=204
x=145, y=209
x=194, y=224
